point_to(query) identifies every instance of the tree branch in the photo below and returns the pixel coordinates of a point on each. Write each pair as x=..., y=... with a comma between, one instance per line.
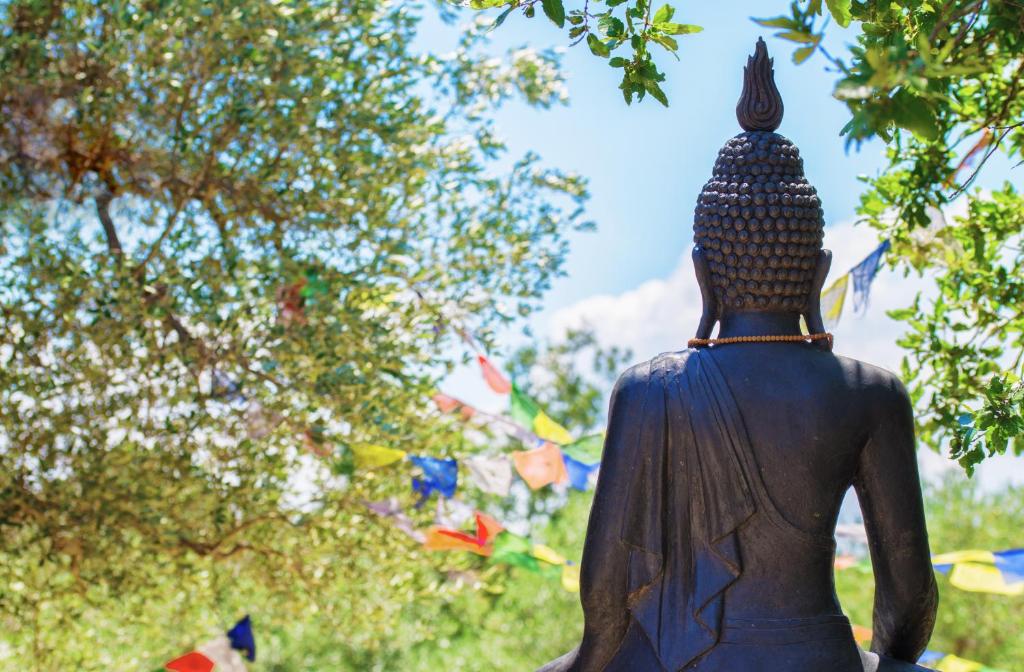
x=103, y=210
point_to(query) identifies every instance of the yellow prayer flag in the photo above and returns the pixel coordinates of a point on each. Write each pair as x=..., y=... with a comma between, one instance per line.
x=549, y=430
x=952, y=663
x=832, y=301
x=983, y=557
x=977, y=578
x=369, y=456
x=571, y=578
x=548, y=554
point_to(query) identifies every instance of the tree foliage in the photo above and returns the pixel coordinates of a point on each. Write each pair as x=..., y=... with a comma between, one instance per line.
x=232, y=242
x=608, y=25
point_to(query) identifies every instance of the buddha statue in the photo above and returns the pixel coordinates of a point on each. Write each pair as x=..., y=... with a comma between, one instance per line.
x=711, y=544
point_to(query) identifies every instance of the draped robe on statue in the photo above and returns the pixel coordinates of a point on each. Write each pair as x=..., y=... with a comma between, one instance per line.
x=679, y=490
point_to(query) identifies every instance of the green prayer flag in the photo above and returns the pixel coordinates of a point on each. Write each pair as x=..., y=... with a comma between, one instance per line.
x=514, y=550
x=522, y=409
x=586, y=450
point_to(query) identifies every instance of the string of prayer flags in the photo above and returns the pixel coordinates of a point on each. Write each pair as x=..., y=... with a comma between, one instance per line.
x=579, y=473
x=494, y=379
x=481, y=543
x=440, y=475
x=586, y=450
x=832, y=300
x=863, y=273
x=998, y=572
x=369, y=456
x=541, y=466
x=834, y=297
x=392, y=509
x=491, y=474
x=969, y=157
x=221, y=654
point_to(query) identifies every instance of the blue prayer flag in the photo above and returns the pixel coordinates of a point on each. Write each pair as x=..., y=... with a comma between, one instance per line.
x=241, y=638
x=579, y=473
x=1011, y=564
x=439, y=475
x=863, y=273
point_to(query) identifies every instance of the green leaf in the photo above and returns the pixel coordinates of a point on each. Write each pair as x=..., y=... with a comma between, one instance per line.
x=618, y=62
x=799, y=36
x=803, y=53
x=664, y=40
x=777, y=22
x=501, y=18
x=914, y=114
x=840, y=10
x=655, y=91
x=678, y=28
x=554, y=10
x=597, y=47
x=664, y=14
x=614, y=3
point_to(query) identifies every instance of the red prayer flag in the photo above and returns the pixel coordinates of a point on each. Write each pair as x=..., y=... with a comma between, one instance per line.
x=444, y=539
x=495, y=380
x=446, y=404
x=190, y=662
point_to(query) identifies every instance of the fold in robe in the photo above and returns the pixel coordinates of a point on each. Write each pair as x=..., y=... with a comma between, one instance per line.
x=683, y=495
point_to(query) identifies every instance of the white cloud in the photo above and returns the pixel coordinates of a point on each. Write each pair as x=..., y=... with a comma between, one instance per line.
x=660, y=315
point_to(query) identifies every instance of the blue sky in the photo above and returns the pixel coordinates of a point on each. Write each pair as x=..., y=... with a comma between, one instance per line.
x=631, y=279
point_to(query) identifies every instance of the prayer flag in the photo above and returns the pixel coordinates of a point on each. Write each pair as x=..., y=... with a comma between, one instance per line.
x=223, y=657
x=548, y=555
x=514, y=550
x=439, y=475
x=391, y=509
x=241, y=638
x=1011, y=564
x=571, y=577
x=845, y=561
x=541, y=466
x=446, y=404
x=190, y=662
x=441, y=539
x=864, y=273
x=369, y=456
x=985, y=557
x=521, y=408
x=493, y=377
x=978, y=578
x=579, y=473
x=549, y=430
x=490, y=474
x=862, y=634
x=586, y=450
x=832, y=301
x=951, y=663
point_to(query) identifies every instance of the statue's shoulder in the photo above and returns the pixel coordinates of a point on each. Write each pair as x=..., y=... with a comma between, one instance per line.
x=639, y=378
x=875, y=383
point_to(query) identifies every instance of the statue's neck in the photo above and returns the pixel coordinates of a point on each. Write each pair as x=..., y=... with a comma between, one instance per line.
x=754, y=323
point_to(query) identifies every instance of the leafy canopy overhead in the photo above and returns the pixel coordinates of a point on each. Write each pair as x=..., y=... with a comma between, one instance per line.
x=232, y=242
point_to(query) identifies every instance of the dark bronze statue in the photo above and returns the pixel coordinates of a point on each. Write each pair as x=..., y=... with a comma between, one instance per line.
x=711, y=539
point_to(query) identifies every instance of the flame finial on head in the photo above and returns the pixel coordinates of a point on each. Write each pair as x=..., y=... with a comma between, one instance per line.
x=760, y=105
